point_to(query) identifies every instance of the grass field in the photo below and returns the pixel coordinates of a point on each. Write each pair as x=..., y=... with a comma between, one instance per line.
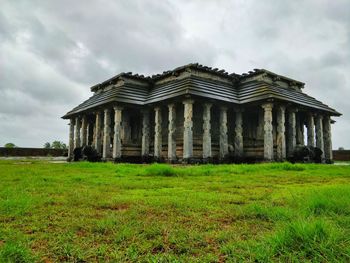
x=97, y=212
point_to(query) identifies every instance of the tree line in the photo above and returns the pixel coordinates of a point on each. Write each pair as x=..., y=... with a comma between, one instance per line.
x=47, y=145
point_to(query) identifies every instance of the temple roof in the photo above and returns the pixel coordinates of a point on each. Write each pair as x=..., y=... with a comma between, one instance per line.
x=198, y=80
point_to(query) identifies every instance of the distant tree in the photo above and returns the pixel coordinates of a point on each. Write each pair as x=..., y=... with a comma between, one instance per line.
x=47, y=145
x=58, y=145
x=10, y=145
x=341, y=149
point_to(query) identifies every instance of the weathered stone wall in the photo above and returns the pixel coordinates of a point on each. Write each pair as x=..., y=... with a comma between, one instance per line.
x=343, y=155
x=32, y=152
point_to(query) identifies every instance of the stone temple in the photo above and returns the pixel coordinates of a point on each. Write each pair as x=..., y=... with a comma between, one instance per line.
x=196, y=114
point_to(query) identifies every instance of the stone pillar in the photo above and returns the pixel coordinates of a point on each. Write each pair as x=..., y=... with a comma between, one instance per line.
x=268, y=132
x=83, y=131
x=207, y=154
x=98, y=127
x=106, y=152
x=238, y=139
x=157, y=133
x=319, y=134
x=88, y=125
x=310, y=123
x=117, y=142
x=300, y=130
x=71, y=138
x=171, y=133
x=145, y=134
x=77, y=128
x=302, y=137
x=223, y=141
x=281, y=136
x=291, y=131
x=327, y=138
x=188, y=132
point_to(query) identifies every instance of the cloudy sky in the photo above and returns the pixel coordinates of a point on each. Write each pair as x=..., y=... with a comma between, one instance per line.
x=51, y=52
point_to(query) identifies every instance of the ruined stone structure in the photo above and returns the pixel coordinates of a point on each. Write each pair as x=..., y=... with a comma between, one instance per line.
x=198, y=114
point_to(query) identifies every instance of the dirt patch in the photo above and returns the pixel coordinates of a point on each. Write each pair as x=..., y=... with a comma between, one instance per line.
x=115, y=207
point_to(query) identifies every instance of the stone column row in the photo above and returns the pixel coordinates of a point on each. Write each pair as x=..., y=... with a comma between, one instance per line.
x=322, y=138
x=281, y=141
x=188, y=132
x=80, y=127
x=78, y=133
x=320, y=123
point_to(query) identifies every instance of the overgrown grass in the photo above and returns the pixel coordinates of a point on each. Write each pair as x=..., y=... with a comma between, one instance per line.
x=98, y=212
x=314, y=240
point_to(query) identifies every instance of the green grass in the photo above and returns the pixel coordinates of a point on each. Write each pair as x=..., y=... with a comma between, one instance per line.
x=98, y=212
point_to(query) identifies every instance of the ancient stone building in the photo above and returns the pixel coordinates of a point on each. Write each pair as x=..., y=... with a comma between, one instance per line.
x=198, y=114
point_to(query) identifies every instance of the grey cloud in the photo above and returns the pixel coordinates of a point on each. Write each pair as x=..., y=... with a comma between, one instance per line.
x=52, y=51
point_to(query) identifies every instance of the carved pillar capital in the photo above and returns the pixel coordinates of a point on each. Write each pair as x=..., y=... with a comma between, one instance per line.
x=238, y=109
x=267, y=106
x=188, y=101
x=223, y=108
x=281, y=108
x=207, y=105
x=118, y=108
